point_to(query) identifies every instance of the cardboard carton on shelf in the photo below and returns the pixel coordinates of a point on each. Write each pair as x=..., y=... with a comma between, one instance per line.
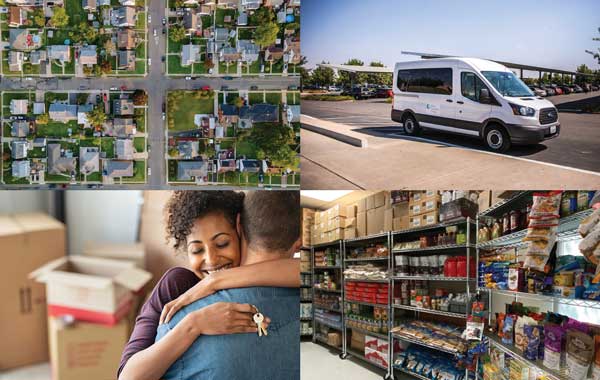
x=388, y=219
x=334, y=339
x=336, y=211
x=26, y=241
x=350, y=222
x=400, y=209
x=87, y=351
x=424, y=219
x=304, y=266
x=350, y=233
x=361, y=224
x=91, y=289
x=401, y=223
x=130, y=252
x=361, y=205
x=376, y=221
x=335, y=223
x=351, y=211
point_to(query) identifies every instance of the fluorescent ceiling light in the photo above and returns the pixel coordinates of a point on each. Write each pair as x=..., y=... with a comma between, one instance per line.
x=325, y=195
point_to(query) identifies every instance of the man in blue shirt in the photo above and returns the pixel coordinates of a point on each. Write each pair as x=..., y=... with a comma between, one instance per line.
x=249, y=356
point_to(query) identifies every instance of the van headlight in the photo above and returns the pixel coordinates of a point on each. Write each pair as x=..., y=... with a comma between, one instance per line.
x=522, y=110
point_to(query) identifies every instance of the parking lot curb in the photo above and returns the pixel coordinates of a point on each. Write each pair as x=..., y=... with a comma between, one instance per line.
x=335, y=131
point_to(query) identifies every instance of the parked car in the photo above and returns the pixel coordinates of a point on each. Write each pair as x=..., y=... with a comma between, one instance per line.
x=164, y=116
x=293, y=87
x=538, y=91
x=253, y=88
x=154, y=32
x=164, y=21
x=566, y=89
x=205, y=88
x=149, y=18
x=163, y=58
x=334, y=89
x=595, y=88
x=227, y=78
x=429, y=94
x=188, y=78
x=164, y=30
x=149, y=61
x=114, y=89
x=384, y=92
x=577, y=89
x=549, y=90
x=359, y=93
x=164, y=107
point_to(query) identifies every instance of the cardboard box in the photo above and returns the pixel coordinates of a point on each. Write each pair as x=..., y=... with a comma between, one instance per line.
x=400, y=209
x=381, y=199
x=358, y=341
x=86, y=350
x=376, y=357
x=335, y=223
x=27, y=241
x=89, y=288
x=484, y=200
x=334, y=339
x=350, y=233
x=401, y=223
x=424, y=206
x=361, y=205
x=361, y=224
x=424, y=219
x=336, y=211
x=350, y=222
x=371, y=342
x=351, y=211
x=317, y=217
x=375, y=221
x=388, y=217
x=371, y=202
x=129, y=252
x=337, y=234
x=383, y=346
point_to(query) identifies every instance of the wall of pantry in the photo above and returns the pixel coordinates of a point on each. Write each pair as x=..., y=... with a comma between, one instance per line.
x=498, y=301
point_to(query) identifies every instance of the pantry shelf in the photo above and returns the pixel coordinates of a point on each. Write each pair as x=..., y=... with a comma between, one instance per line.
x=326, y=308
x=518, y=200
x=430, y=227
x=422, y=343
x=410, y=373
x=324, y=341
x=366, y=303
x=328, y=267
x=431, y=311
x=516, y=238
x=381, y=281
x=368, y=259
x=328, y=244
x=328, y=290
x=331, y=326
x=544, y=298
x=358, y=355
x=435, y=248
x=433, y=278
x=363, y=238
x=518, y=355
x=367, y=332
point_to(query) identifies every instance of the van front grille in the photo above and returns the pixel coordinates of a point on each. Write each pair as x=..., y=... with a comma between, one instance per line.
x=548, y=115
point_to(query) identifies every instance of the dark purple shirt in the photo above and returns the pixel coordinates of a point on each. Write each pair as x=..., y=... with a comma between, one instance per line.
x=173, y=283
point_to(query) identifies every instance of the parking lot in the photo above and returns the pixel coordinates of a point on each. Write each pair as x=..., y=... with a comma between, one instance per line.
x=576, y=150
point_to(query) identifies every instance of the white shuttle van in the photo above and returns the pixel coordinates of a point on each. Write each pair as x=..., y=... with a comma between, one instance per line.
x=472, y=97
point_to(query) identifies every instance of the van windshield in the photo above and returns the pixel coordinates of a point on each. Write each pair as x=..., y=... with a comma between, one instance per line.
x=507, y=83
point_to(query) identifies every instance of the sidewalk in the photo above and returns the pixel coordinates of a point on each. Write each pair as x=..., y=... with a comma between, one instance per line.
x=406, y=163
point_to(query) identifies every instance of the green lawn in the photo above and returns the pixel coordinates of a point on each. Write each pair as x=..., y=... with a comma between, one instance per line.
x=174, y=65
x=293, y=98
x=227, y=69
x=139, y=172
x=185, y=109
x=140, y=23
x=57, y=178
x=37, y=153
x=108, y=146
x=139, y=144
x=8, y=96
x=94, y=177
x=273, y=97
x=6, y=130
x=220, y=16
x=175, y=46
x=55, y=129
x=256, y=98
x=243, y=148
x=140, y=119
x=51, y=97
x=90, y=142
x=58, y=36
x=245, y=33
x=75, y=12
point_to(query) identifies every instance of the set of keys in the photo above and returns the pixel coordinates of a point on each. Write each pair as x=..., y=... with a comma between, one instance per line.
x=258, y=318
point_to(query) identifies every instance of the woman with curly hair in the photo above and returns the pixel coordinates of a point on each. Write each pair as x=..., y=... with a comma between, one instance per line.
x=204, y=225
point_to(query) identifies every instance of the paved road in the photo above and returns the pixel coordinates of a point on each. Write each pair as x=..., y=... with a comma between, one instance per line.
x=156, y=84
x=577, y=147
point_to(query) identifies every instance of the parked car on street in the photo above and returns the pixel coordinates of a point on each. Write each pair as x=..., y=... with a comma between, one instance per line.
x=472, y=97
x=359, y=92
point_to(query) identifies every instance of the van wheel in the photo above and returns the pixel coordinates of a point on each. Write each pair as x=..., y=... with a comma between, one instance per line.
x=411, y=126
x=496, y=139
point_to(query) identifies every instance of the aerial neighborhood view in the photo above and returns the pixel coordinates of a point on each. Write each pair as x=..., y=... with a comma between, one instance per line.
x=83, y=105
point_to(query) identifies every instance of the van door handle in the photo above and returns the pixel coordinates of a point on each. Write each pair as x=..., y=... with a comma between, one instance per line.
x=460, y=102
x=449, y=100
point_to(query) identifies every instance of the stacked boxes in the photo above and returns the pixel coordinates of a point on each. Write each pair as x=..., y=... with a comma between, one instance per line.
x=357, y=341
x=27, y=241
x=424, y=208
x=350, y=230
x=308, y=220
x=329, y=225
x=305, y=261
x=376, y=350
x=374, y=214
x=367, y=292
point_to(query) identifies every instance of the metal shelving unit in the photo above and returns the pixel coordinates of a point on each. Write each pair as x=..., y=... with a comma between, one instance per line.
x=566, y=231
x=333, y=244
x=466, y=248
x=305, y=300
x=357, y=242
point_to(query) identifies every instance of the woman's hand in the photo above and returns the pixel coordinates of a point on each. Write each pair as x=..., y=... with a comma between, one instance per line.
x=225, y=318
x=202, y=289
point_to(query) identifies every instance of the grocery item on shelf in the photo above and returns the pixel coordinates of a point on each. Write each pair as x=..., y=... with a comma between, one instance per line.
x=372, y=251
x=427, y=363
x=305, y=293
x=328, y=318
x=305, y=279
x=434, y=265
x=305, y=310
x=458, y=208
x=327, y=258
x=327, y=301
x=375, y=293
x=415, y=293
x=366, y=272
x=438, y=335
x=306, y=328
x=326, y=280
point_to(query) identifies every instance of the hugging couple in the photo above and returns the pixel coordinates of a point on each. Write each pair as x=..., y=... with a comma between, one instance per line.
x=198, y=322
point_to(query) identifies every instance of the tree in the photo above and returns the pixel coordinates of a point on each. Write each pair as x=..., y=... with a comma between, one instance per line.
x=239, y=102
x=88, y=33
x=105, y=66
x=97, y=116
x=274, y=141
x=323, y=76
x=177, y=33
x=379, y=78
x=595, y=54
x=262, y=15
x=305, y=77
x=42, y=119
x=110, y=48
x=140, y=97
x=59, y=19
x=39, y=19
x=266, y=34
x=179, y=3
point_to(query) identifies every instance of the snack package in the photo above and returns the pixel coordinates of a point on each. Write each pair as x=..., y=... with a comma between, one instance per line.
x=533, y=334
x=553, y=338
x=541, y=247
x=535, y=262
x=588, y=224
x=540, y=233
x=543, y=223
x=596, y=365
x=580, y=351
x=520, y=336
x=508, y=329
x=546, y=205
x=590, y=242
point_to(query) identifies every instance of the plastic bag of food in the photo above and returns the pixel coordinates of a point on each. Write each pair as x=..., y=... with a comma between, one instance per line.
x=508, y=329
x=591, y=241
x=533, y=334
x=588, y=224
x=543, y=223
x=553, y=338
x=541, y=233
x=520, y=337
x=545, y=205
x=540, y=247
x=580, y=351
x=535, y=262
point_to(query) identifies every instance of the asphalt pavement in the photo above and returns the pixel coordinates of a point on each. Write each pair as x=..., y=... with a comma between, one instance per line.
x=156, y=84
x=578, y=146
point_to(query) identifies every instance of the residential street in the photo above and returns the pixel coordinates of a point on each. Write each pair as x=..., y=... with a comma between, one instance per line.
x=156, y=84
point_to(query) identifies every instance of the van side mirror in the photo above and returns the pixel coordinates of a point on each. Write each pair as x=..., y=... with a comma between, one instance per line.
x=484, y=96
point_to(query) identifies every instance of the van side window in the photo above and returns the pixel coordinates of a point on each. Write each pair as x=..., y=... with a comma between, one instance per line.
x=426, y=81
x=470, y=86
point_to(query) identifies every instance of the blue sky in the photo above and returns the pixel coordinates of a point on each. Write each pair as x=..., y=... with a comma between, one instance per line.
x=548, y=33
